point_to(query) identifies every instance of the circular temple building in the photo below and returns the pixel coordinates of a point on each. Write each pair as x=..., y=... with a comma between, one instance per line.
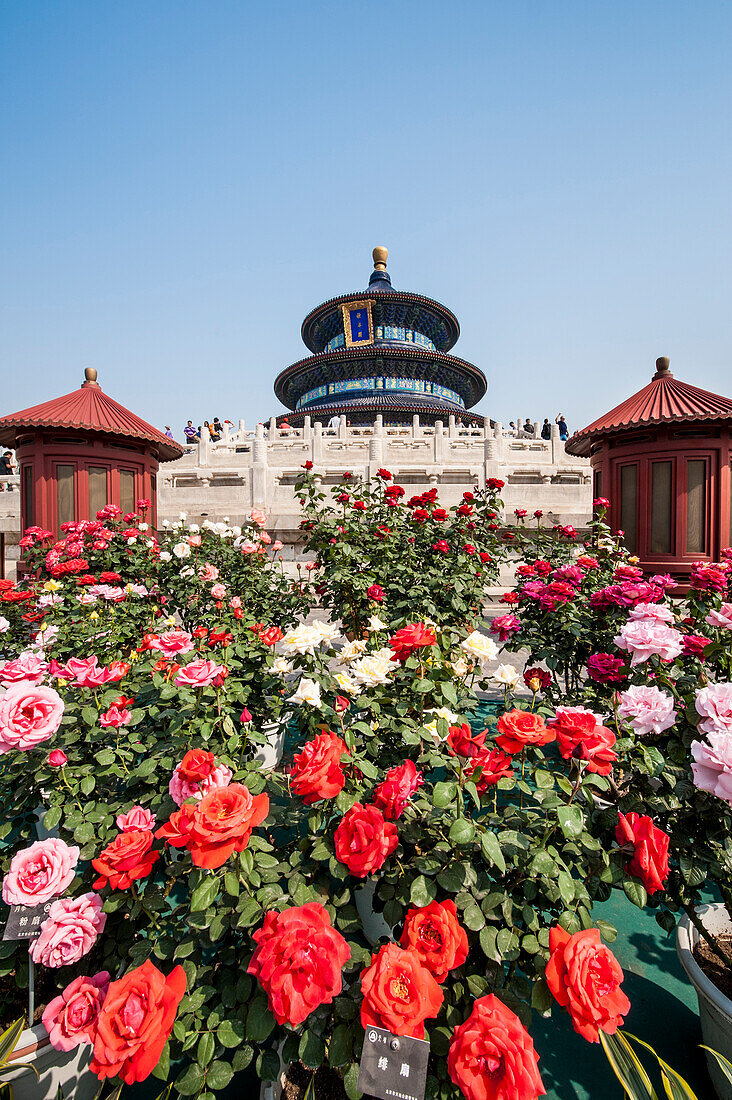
x=380, y=351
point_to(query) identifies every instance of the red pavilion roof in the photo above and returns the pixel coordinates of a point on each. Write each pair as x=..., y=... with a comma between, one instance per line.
x=664, y=400
x=88, y=409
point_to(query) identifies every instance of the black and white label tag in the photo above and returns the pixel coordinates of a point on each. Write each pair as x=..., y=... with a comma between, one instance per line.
x=393, y=1067
x=24, y=921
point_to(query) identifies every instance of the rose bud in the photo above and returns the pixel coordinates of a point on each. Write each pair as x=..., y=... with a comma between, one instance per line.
x=245, y=716
x=341, y=704
x=57, y=758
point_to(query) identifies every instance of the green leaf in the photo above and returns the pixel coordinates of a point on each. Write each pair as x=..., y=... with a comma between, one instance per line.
x=340, y=1047
x=350, y=1082
x=219, y=1075
x=462, y=831
x=260, y=1020
x=724, y=1064
x=162, y=1069
x=635, y=891
x=190, y=1081
x=491, y=849
x=608, y=931
x=205, y=1050
x=626, y=1066
x=230, y=1033
x=444, y=794
x=204, y=894
x=674, y=1085
x=571, y=821
x=311, y=1049
x=268, y=1065
x=422, y=891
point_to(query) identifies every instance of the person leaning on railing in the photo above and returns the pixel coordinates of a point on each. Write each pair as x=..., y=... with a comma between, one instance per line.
x=6, y=471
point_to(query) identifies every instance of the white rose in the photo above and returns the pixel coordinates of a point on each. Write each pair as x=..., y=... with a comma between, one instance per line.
x=142, y=526
x=350, y=651
x=165, y=523
x=282, y=666
x=326, y=631
x=506, y=675
x=187, y=572
x=346, y=683
x=182, y=550
x=194, y=528
x=373, y=669
x=132, y=541
x=182, y=516
x=4, y=625
x=303, y=639
x=480, y=647
x=375, y=623
x=308, y=691
x=460, y=667
x=165, y=555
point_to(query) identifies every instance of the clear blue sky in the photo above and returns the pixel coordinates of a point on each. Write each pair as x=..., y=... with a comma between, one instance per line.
x=183, y=181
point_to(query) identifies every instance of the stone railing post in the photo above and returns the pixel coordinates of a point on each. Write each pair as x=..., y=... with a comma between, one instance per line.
x=376, y=445
x=342, y=428
x=439, y=443
x=203, y=446
x=557, y=446
x=307, y=430
x=316, y=444
x=259, y=469
x=451, y=429
x=273, y=427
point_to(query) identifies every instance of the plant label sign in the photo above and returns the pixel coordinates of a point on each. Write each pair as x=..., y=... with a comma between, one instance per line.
x=393, y=1067
x=24, y=921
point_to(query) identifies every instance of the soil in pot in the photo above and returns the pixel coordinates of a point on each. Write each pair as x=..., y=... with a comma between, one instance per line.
x=718, y=974
x=328, y=1083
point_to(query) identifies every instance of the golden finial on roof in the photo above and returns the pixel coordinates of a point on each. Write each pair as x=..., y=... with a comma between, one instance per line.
x=90, y=377
x=380, y=255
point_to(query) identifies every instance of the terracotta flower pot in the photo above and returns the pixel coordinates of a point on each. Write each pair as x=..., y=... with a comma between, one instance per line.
x=67, y=1069
x=715, y=1010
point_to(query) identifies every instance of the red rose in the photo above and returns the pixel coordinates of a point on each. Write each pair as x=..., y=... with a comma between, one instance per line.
x=606, y=669
x=492, y=1057
x=359, y=505
x=341, y=704
x=581, y=736
x=298, y=961
x=399, y=993
x=217, y=826
x=392, y=796
x=485, y=557
x=197, y=764
x=463, y=742
x=439, y=514
x=650, y=849
x=307, y=465
x=435, y=934
x=409, y=638
x=495, y=483
x=383, y=474
x=375, y=592
x=584, y=976
x=135, y=1021
x=537, y=679
x=316, y=771
x=695, y=644
x=130, y=856
x=364, y=839
x=519, y=728
x=441, y=546
x=487, y=768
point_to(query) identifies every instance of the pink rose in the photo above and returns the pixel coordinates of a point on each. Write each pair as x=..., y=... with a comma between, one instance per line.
x=172, y=642
x=721, y=618
x=136, y=818
x=208, y=572
x=29, y=714
x=258, y=516
x=712, y=766
x=218, y=591
x=199, y=673
x=235, y=602
x=71, y=1019
x=504, y=626
x=115, y=717
x=657, y=611
x=264, y=537
x=714, y=706
x=248, y=547
x=57, y=758
x=40, y=872
x=276, y=545
x=181, y=788
x=648, y=709
x=27, y=667
x=644, y=638
x=69, y=931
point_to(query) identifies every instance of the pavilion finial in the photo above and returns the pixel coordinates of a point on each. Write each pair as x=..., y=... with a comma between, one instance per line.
x=380, y=254
x=662, y=370
x=90, y=377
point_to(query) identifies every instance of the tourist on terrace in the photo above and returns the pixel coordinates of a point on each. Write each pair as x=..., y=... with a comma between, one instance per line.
x=563, y=429
x=511, y=428
x=192, y=436
x=169, y=432
x=6, y=470
x=528, y=428
x=334, y=423
x=546, y=429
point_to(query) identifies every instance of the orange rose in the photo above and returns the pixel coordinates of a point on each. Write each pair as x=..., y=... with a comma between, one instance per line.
x=135, y=1021
x=435, y=933
x=127, y=858
x=399, y=993
x=316, y=771
x=220, y=824
x=584, y=977
x=519, y=728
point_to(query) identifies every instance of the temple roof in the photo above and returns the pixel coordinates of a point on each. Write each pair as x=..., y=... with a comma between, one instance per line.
x=88, y=409
x=294, y=380
x=664, y=400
